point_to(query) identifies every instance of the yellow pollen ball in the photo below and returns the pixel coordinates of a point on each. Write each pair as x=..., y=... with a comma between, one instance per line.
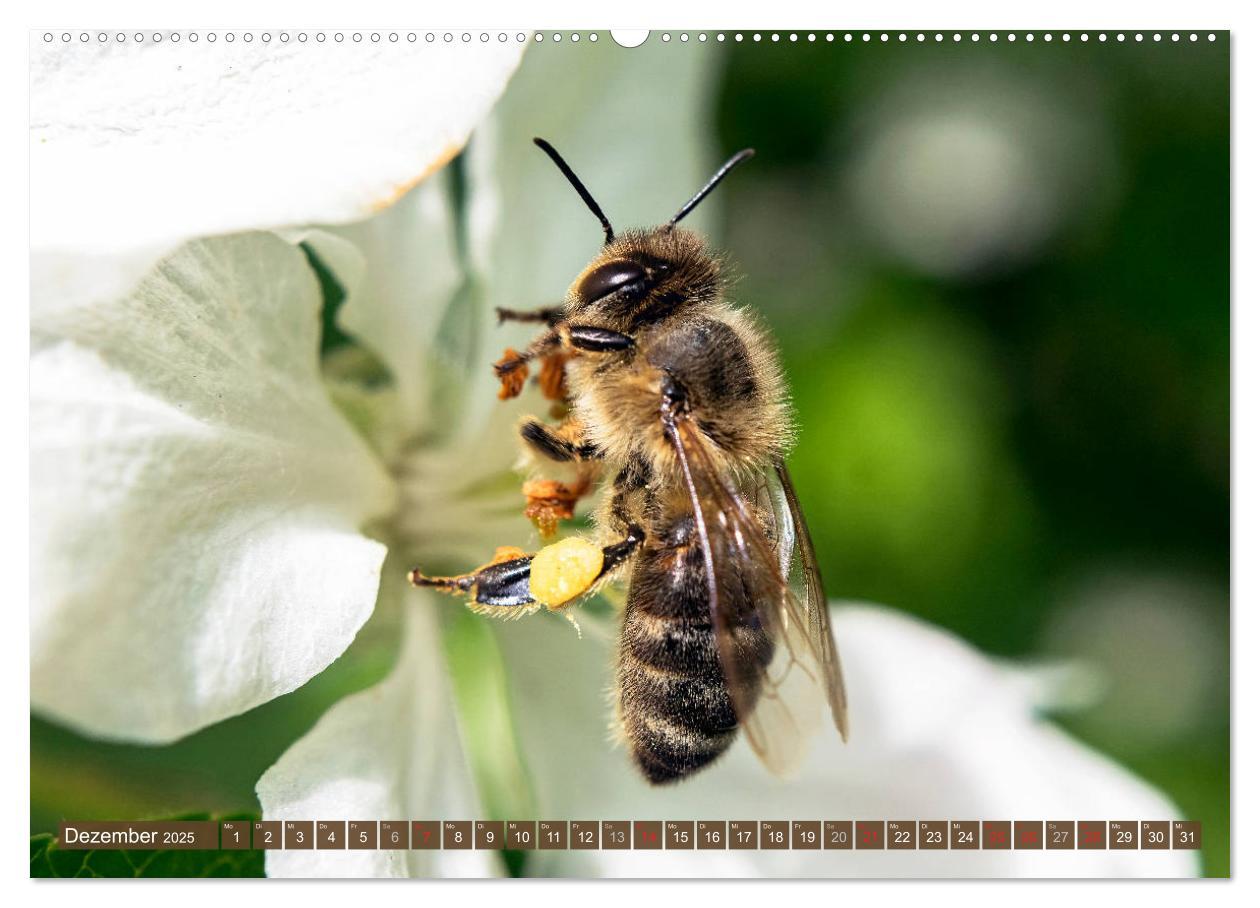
x=564, y=570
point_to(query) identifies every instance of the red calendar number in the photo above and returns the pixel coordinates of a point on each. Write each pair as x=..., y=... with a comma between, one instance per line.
x=997, y=834
x=870, y=834
x=649, y=833
x=1028, y=834
x=426, y=834
x=1091, y=834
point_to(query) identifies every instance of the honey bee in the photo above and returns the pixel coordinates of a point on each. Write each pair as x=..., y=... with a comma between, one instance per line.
x=678, y=396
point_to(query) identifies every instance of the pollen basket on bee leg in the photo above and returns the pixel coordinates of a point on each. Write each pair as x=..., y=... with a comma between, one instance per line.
x=564, y=570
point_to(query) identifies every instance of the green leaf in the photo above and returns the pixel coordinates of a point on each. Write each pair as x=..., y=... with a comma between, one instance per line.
x=481, y=696
x=48, y=859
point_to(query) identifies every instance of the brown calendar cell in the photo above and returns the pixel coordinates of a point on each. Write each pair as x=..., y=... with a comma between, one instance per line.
x=1187, y=834
x=1028, y=834
x=807, y=834
x=837, y=834
x=964, y=835
x=394, y=835
x=900, y=834
x=680, y=835
x=522, y=834
x=742, y=834
x=426, y=834
x=869, y=834
x=711, y=835
x=234, y=835
x=361, y=835
x=1091, y=834
x=649, y=834
x=614, y=834
x=1122, y=834
x=553, y=835
x=1060, y=835
x=488, y=834
x=457, y=835
x=330, y=834
x=997, y=834
x=776, y=835
x=584, y=834
x=933, y=835
x=267, y=834
x=299, y=834
x=1155, y=834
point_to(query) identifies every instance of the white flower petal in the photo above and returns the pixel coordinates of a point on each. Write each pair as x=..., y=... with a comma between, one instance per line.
x=196, y=501
x=395, y=300
x=460, y=501
x=938, y=732
x=138, y=146
x=389, y=752
x=62, y=279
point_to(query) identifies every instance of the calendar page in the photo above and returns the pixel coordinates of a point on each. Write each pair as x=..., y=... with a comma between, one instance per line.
x=571, y=453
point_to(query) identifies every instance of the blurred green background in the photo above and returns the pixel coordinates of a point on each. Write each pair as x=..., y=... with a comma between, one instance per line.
x=1000, y=277
x=999, y=274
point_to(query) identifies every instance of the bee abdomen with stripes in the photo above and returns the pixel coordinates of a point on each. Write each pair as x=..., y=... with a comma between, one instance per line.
x=673, y=703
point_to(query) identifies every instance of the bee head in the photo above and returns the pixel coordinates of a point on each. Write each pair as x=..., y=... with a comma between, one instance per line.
x=640, y=277
x=643, y=276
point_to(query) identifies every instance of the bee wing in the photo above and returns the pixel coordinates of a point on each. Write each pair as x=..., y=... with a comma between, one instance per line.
x=800, y=565
x=776, y=650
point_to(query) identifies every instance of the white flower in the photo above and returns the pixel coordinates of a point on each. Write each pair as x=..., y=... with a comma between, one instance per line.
x=198, y=503
x=196, y=499
x=209, y=529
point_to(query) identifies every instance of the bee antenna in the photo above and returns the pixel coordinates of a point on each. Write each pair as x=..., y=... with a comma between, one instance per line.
x=577, y=184
x=735, y=160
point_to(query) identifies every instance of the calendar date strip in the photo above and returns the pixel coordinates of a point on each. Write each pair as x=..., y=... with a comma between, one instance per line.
x=638, y=835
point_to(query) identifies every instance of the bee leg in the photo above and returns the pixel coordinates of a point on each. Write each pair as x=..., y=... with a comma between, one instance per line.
x=502, y=582
x=555, y=576
x=632, y=477
x=553, y=445
x=548, y=315
x=513, y=368
x=543, y=343
x=628, y=480
x=618, y=553
x=548, y=501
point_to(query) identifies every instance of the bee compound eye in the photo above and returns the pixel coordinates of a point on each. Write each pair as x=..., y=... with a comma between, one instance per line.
x=609, y=278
